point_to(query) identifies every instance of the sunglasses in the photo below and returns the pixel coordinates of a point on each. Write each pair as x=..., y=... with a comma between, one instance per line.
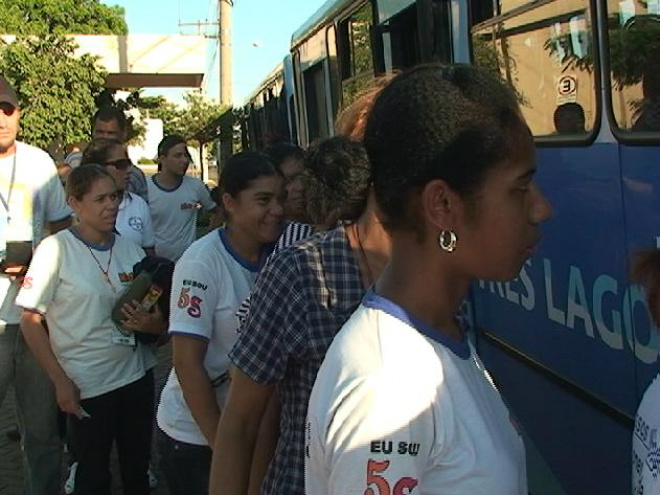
x=7, y=109
x=121, y=164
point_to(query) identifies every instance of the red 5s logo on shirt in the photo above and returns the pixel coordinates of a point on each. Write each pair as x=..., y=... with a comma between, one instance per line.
x=191, y=302
x=377, y=484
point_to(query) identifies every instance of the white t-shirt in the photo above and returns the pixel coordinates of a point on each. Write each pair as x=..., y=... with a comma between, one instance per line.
x=398, y=407
x=210, y=282
x=36, y=197
x=134, y=221
x=646, y=443
x=65, y=283
x=174, y=214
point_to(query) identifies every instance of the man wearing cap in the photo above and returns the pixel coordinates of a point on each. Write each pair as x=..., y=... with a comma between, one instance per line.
x=31, y=200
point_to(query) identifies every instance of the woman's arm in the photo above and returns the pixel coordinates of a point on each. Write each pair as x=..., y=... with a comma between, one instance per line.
x=264, y=451
x=195, y=383
x=237, y=435
x=68, y=394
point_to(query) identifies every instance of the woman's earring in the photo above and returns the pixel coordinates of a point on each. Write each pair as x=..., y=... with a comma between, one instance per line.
x=447, y=240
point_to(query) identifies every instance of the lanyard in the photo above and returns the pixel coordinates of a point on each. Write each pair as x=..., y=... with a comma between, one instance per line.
x=6, y=202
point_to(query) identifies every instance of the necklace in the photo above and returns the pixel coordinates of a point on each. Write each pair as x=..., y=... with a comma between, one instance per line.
x=7, y=201
x=106, y=277
x=363, y=255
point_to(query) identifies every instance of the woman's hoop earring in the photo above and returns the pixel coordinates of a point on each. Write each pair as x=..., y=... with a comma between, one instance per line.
x=447, y=240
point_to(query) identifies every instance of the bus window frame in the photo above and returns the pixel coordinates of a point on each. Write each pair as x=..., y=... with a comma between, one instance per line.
x=335, y=76
x=300, y=101
x=343, y=49
x=558, y=140
x=623, y=136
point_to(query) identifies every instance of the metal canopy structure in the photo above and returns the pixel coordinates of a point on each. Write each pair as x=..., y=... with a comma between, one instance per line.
x=146, y=60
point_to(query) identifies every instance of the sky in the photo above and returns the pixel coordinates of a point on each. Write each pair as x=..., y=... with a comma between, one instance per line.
x=261, y=32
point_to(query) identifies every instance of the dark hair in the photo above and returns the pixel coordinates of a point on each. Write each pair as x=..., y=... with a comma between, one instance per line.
x=280, y=152
x=569, y=118
x=215, y=194
x=241, y=169
x=97, y=150
x=81, y=179
x=169, y=142
x=453, y=123
x=646, y=271
x=107, y=113
x=337, y=178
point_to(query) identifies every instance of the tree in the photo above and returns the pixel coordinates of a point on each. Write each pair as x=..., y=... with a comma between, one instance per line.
x=42, y=17
x=56, y=90
x=201, y=118
x=158, y=107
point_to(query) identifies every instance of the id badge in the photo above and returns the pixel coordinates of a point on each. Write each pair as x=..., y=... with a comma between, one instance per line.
x=120, y=338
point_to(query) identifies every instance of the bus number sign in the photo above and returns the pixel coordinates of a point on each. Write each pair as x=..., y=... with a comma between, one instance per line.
x=566, y=89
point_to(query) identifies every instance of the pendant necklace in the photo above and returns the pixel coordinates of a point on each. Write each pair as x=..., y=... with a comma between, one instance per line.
x=363, y=255
x=106, y=277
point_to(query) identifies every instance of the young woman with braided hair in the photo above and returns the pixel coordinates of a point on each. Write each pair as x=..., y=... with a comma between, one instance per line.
x=401, y=401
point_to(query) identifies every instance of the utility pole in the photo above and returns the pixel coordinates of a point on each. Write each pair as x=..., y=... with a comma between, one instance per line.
x=226, y=62
x=225, y=50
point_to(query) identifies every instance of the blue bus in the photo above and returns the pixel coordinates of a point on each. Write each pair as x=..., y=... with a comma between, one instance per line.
x=268, y=114
x=569, y=342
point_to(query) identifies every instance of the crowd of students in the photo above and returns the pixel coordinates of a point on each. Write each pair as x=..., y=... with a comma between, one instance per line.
x=317, y=347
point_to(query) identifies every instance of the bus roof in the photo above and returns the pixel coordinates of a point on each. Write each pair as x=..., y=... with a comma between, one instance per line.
x=327, y=10
x=272, y=76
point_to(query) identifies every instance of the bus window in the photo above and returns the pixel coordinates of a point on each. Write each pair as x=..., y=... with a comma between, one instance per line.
x=335, y=84
x=357, y=68
x=317, y=114
x=401, y=39
x=506, y=6
x=634, y=46
x=545, y=53
x=442, y=48
x=480, y=11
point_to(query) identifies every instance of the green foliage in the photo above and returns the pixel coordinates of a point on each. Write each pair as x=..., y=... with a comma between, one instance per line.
x=146, y=161
x=56, y=90
x=633, y=47
x=158, y=107
x=42, y=17
x=200, y=120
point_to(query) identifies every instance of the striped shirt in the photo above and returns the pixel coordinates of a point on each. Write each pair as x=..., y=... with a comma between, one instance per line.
x=301, y=300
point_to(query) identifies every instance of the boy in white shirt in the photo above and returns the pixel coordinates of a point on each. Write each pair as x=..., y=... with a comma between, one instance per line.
x=175, y=199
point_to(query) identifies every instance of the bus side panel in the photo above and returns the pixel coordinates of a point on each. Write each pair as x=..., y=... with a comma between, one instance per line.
x=566, y=313
x=587, y=451
x=641, y=188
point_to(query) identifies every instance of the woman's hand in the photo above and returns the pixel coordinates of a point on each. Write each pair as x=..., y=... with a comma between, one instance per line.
x=138, y=320
x=68, y=398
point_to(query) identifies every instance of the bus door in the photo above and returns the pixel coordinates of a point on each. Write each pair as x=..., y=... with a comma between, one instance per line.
x=554, y=339
x=310, y=67
x=633, y=69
